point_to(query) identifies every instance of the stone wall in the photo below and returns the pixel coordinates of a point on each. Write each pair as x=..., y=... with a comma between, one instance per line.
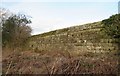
x=79, y=38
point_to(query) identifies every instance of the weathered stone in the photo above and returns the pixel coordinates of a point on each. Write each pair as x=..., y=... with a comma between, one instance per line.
x=79, y=38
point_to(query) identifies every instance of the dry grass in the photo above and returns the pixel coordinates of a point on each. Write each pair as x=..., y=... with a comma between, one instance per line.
x=54, y=62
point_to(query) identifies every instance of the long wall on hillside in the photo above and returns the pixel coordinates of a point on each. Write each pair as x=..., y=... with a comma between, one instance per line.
x=79, y=38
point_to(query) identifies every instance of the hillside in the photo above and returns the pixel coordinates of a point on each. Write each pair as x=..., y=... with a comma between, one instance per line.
x=81, y=49
x=86, y=37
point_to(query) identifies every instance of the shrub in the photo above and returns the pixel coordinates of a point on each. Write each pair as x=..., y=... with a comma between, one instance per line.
x=111, y=26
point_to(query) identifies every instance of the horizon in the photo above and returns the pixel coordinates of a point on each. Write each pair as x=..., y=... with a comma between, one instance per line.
x=48, y=16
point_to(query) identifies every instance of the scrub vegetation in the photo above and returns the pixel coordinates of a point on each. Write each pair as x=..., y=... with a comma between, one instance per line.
x=85, y=49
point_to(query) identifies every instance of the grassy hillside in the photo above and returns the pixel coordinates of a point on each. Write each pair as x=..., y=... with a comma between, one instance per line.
x=71, y=29
x=88, y=37
x=81, y=49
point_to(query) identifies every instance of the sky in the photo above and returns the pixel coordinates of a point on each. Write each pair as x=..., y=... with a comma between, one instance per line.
x=53, y=14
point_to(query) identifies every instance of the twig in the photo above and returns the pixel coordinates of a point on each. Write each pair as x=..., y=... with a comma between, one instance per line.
x=47, y=68
x=53, y=68
x=78, y=65
x=8, y=68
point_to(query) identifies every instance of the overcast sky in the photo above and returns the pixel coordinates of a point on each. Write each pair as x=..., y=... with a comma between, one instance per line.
x=47, y=16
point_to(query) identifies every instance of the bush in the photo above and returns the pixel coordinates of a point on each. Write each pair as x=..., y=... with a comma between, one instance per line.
x=111, y=26
x=15, y=30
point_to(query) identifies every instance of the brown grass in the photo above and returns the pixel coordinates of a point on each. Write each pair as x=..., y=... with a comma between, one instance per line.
x=54, y=62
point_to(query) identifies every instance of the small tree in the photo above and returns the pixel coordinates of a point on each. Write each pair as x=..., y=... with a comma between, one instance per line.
x=15, y=30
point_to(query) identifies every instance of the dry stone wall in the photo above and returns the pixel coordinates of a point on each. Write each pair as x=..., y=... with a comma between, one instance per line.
x=79, y=38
